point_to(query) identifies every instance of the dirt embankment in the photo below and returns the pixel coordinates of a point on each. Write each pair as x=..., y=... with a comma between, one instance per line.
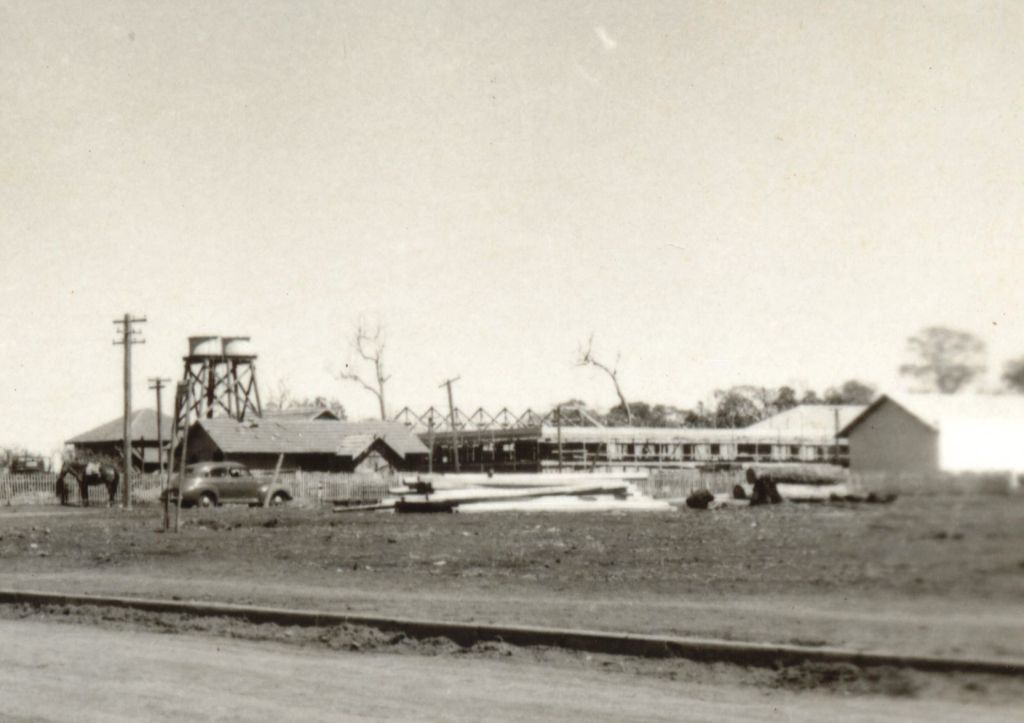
x=928, y=575
x=830, y=678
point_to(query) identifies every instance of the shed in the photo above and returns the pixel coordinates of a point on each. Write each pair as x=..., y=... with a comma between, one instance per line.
x=107, y=439
x=938, y=433
x=314, y=445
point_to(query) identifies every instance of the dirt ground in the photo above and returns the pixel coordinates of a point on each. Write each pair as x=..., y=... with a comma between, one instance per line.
x=50, y=671
x=926, y=575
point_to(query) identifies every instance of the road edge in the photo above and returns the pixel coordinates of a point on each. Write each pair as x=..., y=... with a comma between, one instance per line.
x=705, y=650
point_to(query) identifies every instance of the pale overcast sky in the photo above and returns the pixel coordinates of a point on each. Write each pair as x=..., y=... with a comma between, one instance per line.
x=727, y=192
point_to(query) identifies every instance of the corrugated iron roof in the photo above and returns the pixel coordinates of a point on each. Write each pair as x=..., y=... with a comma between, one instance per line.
x=143, y=426
x=270, y=436
x=812, y=419
x=300, y=413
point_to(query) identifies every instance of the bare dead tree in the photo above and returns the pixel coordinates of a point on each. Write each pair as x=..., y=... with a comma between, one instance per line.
x=369, y=347
x=585, y=358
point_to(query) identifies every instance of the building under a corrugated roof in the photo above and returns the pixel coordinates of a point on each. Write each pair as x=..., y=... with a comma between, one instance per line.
x=108, y=439
x=323, y=445
x=804, y=434
x=922, y=433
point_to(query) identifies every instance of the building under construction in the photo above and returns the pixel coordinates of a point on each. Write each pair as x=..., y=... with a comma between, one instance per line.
x=573, y=440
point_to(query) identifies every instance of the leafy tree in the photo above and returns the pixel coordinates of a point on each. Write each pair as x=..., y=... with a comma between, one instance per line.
x=943, y=359
x=738, y=407
x=810, y=397
x=785, y=399
x=1013, y=374
x=850, y=392
x=647, y=415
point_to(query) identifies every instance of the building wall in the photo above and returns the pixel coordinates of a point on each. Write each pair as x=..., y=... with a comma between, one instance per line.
x=893, y=440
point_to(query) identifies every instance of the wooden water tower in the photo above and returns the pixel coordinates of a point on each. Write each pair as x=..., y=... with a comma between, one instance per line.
x=219, y=380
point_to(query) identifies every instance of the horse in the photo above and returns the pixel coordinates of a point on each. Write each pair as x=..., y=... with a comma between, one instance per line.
x=88, y=474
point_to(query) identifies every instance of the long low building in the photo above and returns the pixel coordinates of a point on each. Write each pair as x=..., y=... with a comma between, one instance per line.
x=325, y=445
x=107, y=439
x=803, y=434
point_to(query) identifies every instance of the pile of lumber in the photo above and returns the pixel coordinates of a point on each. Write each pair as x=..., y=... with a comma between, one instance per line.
x=518, y=492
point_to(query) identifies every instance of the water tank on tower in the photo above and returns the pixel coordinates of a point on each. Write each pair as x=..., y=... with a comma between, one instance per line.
x=219, y=380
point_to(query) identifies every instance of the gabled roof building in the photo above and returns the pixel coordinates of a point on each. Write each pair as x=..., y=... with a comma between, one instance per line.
x=312, y=445
x=107, y=439
x=922, y=433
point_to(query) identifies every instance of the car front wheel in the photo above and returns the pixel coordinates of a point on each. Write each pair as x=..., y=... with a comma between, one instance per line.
x=279, y=498
x=207, y=500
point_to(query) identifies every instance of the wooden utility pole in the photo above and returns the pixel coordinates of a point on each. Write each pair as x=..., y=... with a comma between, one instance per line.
x=128, y=339
x=835, y=438
x=451, y=411
x=430, y=436
x=157, y=384
x=558, y=422
x=186, y=397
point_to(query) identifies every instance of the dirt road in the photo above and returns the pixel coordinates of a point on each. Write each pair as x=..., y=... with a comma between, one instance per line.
x=57, y=672
x=938, y=576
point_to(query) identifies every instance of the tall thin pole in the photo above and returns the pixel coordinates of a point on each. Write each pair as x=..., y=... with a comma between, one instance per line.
x=128, y=339
x=430, y=435
x=451, y=411
x=157, y=384
x=558, y=422
x=184, y=462
x=835, y=439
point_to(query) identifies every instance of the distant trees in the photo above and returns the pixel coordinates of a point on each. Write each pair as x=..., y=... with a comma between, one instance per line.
x=368, y=345
x=944, y=360
x=281, y=398
x=785, y=399
x=734, y=407
x=1013, y=374
x=851, y=391
x=646, y=415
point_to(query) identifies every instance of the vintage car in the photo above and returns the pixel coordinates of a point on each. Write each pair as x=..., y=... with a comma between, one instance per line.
x=213, y=483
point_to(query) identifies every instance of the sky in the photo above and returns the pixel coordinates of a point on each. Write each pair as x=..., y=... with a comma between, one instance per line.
x=720, y=192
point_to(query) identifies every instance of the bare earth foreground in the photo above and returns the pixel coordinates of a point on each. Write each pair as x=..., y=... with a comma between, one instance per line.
x=53, y=671
x=938, y=576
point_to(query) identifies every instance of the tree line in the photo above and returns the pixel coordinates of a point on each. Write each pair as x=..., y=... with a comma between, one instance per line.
x=938, y=359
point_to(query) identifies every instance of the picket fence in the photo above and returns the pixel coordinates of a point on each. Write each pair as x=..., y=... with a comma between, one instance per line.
x=323, y=488
x=311, y=487
x=678, y=483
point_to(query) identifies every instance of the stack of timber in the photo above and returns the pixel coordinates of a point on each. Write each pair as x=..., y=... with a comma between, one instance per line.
x=517, y=492
x=809, y=483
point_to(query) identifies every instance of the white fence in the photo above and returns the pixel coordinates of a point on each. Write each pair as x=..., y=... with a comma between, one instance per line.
x=41, y=489
x=312, y=487
x=676, y=483
x=320, y=488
